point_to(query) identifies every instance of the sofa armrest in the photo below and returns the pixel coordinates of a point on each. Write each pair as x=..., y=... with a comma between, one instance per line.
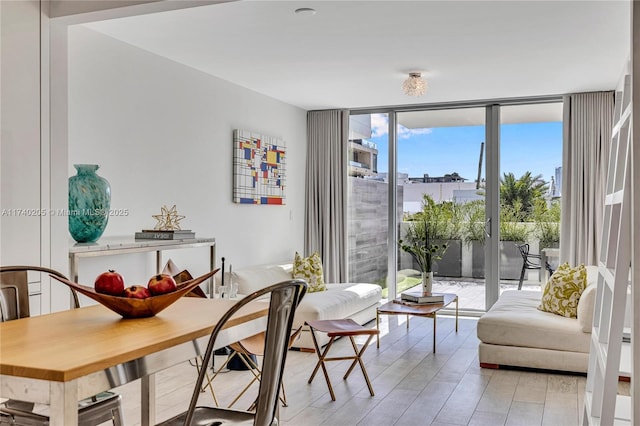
x=255, y=278
x=585, y=308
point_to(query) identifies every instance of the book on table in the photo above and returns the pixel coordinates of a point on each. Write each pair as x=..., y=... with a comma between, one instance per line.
x=401, y=301
x=156, y=234
x=421, y=297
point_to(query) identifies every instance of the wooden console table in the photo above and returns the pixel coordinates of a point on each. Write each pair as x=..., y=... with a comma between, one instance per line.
x=108, y=246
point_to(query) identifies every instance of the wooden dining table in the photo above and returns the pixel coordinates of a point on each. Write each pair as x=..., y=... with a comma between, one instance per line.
x=61, y=358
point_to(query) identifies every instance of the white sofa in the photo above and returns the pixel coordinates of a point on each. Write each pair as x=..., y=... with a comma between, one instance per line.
x=515, y=333
x=341, y=300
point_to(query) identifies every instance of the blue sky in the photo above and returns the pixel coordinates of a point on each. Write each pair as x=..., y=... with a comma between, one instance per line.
x=535, y=147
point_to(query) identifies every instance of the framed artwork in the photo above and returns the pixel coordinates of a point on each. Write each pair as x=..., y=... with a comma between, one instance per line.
x=259, y=168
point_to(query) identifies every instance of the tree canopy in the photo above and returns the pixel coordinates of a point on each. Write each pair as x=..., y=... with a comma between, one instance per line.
x=522, y=192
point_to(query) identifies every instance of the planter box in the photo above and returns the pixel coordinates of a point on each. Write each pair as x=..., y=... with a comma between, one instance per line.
x=451, y=263
x=510, y=260
x=477, y=259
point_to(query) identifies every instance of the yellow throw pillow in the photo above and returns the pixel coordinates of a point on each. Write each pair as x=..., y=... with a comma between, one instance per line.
x=310, y=270
x=562, y=292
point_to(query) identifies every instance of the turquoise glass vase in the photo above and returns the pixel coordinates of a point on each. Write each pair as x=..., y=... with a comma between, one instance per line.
x=89, y=203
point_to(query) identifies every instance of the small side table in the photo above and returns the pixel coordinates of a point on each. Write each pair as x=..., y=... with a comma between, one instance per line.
x=427, y=310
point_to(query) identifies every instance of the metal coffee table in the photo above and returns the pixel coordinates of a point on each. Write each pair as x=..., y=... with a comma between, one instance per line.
x=427, y=310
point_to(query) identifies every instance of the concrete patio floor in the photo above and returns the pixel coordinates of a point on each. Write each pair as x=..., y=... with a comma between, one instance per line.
x=471, y=291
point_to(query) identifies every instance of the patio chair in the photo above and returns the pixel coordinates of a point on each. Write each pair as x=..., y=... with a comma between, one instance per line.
x=14, y=304
x=285, y=297
x=530, y=261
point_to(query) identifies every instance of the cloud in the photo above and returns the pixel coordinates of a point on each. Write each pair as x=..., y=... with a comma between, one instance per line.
x=380, y=126
x=404, y=133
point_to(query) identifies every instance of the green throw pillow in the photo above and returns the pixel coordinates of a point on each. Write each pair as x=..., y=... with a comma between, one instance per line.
x=563, y=290
x=310, y=270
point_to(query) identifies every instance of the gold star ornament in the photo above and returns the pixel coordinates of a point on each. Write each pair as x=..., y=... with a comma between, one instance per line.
x=168, y=219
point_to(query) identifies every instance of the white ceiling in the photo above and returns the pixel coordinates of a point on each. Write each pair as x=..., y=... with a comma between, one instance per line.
x=355, y=54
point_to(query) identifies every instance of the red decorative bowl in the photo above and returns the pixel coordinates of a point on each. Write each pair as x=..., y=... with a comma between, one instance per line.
x=138, y=308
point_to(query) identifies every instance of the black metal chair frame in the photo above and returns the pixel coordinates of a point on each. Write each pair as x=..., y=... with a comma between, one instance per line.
x=530, y=261
x=285, y=297
x=92, y=411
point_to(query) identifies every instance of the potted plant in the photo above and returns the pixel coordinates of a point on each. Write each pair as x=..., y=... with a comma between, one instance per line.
x=474, y=234
x=445, y=220
x=418, y=242
x=547, y=223
x=513, y=231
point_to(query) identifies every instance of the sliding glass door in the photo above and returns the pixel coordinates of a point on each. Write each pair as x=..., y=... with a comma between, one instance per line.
x=530, y=193
x=460, y=167
x=441, y=186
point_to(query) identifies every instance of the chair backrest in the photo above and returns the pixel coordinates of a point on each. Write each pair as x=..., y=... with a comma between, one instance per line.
x=9, y=306
x=14, y=295
x=524, y=250
x=285, y=297
x=14, y=290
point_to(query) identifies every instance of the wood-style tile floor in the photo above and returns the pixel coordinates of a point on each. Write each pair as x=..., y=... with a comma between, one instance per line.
x=412, y=385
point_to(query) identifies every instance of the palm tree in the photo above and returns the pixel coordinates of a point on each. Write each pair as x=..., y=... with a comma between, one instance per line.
x=523, y=191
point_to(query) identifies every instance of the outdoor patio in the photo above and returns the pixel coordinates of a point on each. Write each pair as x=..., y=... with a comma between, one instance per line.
x=471, y=291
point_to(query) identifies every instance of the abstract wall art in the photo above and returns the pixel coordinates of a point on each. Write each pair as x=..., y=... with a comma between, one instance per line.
x=259, y=168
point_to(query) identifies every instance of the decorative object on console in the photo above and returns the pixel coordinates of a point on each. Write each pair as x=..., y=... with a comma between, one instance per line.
x=182, y=276
x=157, y=234
x=259, y=168
x=563, y=290
x=414, y=85
x=168, y=219
x=89, y=203
x=310, y=270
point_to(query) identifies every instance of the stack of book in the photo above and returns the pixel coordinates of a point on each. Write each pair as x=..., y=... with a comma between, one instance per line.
x=155, y=234
x=419, y=298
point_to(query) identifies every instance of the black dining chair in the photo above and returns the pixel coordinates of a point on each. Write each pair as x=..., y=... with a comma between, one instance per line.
x=284, y=299
x=530, y=261
x=14, y=304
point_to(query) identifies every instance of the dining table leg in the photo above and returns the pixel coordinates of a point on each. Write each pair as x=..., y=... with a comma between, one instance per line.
x=63, y=400
x=148, y=400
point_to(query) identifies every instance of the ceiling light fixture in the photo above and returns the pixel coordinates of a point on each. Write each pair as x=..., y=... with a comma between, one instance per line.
x=305, y=11
x=414, y=85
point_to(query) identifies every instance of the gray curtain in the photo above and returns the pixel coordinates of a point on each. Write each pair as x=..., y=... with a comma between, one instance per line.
x=326, y=191
x=588, y=121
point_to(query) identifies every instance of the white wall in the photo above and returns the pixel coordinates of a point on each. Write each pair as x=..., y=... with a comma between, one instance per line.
x=20, y=132
x=162, y=135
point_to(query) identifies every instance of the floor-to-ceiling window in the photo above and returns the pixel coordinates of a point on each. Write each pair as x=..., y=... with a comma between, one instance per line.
x=441, y=184
x=367, y=216
x=456, y=164
x=530, y=179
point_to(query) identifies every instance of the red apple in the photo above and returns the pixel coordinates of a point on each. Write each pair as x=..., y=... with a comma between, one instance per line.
x=109, y=282
x=161, y=284
x=137, y=292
